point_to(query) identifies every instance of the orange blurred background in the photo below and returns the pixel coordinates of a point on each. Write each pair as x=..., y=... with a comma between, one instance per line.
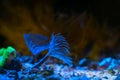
x=81, y=30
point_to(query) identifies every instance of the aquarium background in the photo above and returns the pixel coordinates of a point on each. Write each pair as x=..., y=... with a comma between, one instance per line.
x=85, y=24
x=91, y=27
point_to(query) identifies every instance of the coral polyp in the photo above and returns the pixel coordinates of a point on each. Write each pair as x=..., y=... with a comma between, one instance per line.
x=7, y=54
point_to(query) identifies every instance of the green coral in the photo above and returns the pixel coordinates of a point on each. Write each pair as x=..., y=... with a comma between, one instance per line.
x=5, y=54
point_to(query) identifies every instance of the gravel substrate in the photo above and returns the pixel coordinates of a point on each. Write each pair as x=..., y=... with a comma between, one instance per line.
x=101, y=70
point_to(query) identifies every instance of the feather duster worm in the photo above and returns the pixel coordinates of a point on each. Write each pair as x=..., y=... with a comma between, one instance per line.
x=57, y=47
